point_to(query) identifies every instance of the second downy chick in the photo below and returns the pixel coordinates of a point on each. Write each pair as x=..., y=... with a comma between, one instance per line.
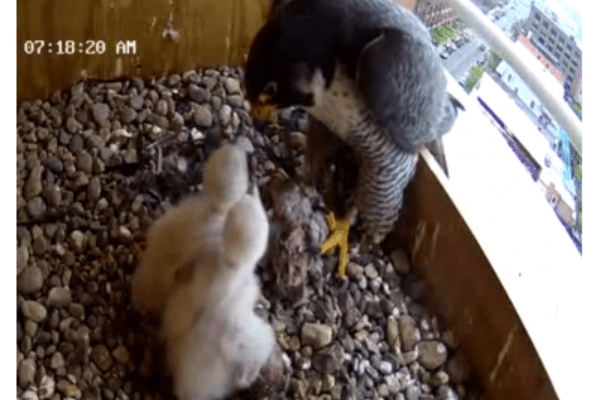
x=190, y=231
x=228, y=343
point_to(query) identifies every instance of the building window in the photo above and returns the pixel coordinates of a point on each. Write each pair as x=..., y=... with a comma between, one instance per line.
x=552, y=41
x=561, y=39
x=572, y=71
x=553, y=31
x=569, y=47
x=545, y=23
x=532, y=105
x=535, y=26
x=541, y=40
x=536, y=16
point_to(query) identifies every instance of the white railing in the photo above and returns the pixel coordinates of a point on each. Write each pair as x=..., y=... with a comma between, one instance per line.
x=523, y=62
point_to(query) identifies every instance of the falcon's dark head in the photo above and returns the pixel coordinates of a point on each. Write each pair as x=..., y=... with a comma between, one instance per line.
x=288, y=62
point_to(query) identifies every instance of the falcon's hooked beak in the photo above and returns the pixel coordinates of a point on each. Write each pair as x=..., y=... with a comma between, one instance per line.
x=263, y=106
x=262, y=110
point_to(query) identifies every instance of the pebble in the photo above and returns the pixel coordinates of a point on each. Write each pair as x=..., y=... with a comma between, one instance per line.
x=353, y=270
x=203, y=116
x=191, y=76
x=385, y=367
x=57, y=360
x=316, y=335
x=209, y=82
x=94, y=190
x=413, y=393
x=400, y=261
x=47, y=387
x=30, y=280
x=59, y=296
x=22, y=258
x=325, y=363
x=432, y=354
x=36, y=208
x=34, y=311
x=26, y=372
x=162, y=107
x=84, y=162
x=393, y=384
x=75, y=144
x=177, y=122
x=77, y=311
x=328, y=383
x=409, y=334
x=33, y=186
x=53, y=195
x=30, y=328
x=101, y=112
x=235, y=101
x=458, y=369
x=55, y=165
x=225, y=114
x=101, y=357
x=371, y=272
x=392, y=332
x=73, y=125
x=77, y=241
x=128, y=115
x=136, y=102
x=81, y=179
x=196, y=93
x=120, y=354
x=297, y=140
x=232, y=86
x=438, y=379
x=410, y=357
x=216, y=102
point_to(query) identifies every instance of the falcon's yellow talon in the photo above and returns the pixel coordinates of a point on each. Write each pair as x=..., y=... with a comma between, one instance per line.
x=340, y=229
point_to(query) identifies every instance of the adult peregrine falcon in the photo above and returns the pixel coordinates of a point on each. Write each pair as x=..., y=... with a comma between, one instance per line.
x=368, y=71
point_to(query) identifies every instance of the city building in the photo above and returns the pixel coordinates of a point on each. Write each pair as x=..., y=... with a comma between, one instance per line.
x=434, y=13
x=556, y=41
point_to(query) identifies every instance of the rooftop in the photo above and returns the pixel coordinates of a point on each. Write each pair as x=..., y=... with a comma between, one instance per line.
x=514, y=119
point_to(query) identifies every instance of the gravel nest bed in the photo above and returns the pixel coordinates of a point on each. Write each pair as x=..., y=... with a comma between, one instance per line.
x=97, y=164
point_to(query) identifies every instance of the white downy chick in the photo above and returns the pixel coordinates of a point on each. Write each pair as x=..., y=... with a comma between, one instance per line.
x=228, y=343
x=190, y=231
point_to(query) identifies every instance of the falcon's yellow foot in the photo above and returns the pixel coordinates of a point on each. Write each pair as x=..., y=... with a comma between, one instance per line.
x=340, y=229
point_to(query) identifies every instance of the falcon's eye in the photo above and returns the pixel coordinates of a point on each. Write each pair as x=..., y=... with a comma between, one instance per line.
x=270, y=89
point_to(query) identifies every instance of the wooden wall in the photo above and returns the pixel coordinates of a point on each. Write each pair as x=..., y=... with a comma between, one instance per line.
x=464, y=290
x=211, y=33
